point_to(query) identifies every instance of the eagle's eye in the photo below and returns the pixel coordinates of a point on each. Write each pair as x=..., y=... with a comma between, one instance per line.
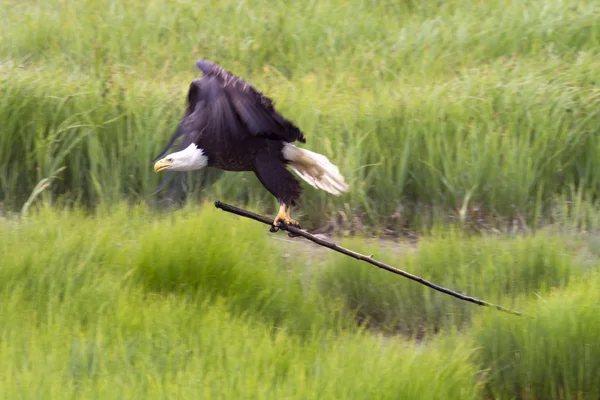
x=169, y=159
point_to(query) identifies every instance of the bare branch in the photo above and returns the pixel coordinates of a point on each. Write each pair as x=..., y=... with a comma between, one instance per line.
x=358, y=256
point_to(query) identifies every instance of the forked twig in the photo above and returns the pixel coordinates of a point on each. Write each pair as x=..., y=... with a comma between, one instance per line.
x=358, y=256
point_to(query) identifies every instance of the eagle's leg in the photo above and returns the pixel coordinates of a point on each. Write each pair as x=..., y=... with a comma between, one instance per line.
x=280, y=182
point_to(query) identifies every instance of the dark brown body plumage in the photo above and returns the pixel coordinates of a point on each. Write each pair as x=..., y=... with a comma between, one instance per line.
x=239, y=130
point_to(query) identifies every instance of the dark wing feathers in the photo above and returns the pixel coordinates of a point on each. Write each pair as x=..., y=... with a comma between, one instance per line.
x=221, y=103
x=253, y=108
x=261, y=120
x=212, y=114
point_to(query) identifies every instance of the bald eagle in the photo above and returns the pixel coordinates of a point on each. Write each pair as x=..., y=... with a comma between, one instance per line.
x=230, y=125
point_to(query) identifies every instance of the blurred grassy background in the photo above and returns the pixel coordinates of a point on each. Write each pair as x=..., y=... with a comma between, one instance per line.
x=480, y=110
x=127, y=304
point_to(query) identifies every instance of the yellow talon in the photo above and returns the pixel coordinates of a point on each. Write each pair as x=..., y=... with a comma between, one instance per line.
x=284, y=216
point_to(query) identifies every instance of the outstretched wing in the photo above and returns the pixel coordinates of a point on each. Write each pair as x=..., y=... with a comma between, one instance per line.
x=222, y=105
x=210, y=114
x=255, y=110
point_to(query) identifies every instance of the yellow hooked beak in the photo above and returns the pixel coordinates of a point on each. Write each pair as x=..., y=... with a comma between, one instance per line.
x=161, y=165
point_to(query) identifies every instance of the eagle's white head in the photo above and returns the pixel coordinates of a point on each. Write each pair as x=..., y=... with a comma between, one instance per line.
x=190, y=159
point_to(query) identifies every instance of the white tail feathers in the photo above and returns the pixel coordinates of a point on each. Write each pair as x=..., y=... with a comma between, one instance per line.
x=315, y=169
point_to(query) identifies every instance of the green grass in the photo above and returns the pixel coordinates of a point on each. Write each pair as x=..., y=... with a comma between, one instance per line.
x=186, y=254
x=428, y=110
x=123, y=305
x=161, y=348
x=126, y=304
x=500, y=270
x=552, y=356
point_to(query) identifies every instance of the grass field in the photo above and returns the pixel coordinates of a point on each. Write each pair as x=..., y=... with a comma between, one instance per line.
x=125, y=304
x=471, y=125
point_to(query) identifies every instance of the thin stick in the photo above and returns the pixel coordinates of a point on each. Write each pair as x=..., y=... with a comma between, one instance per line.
x=358, y=256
